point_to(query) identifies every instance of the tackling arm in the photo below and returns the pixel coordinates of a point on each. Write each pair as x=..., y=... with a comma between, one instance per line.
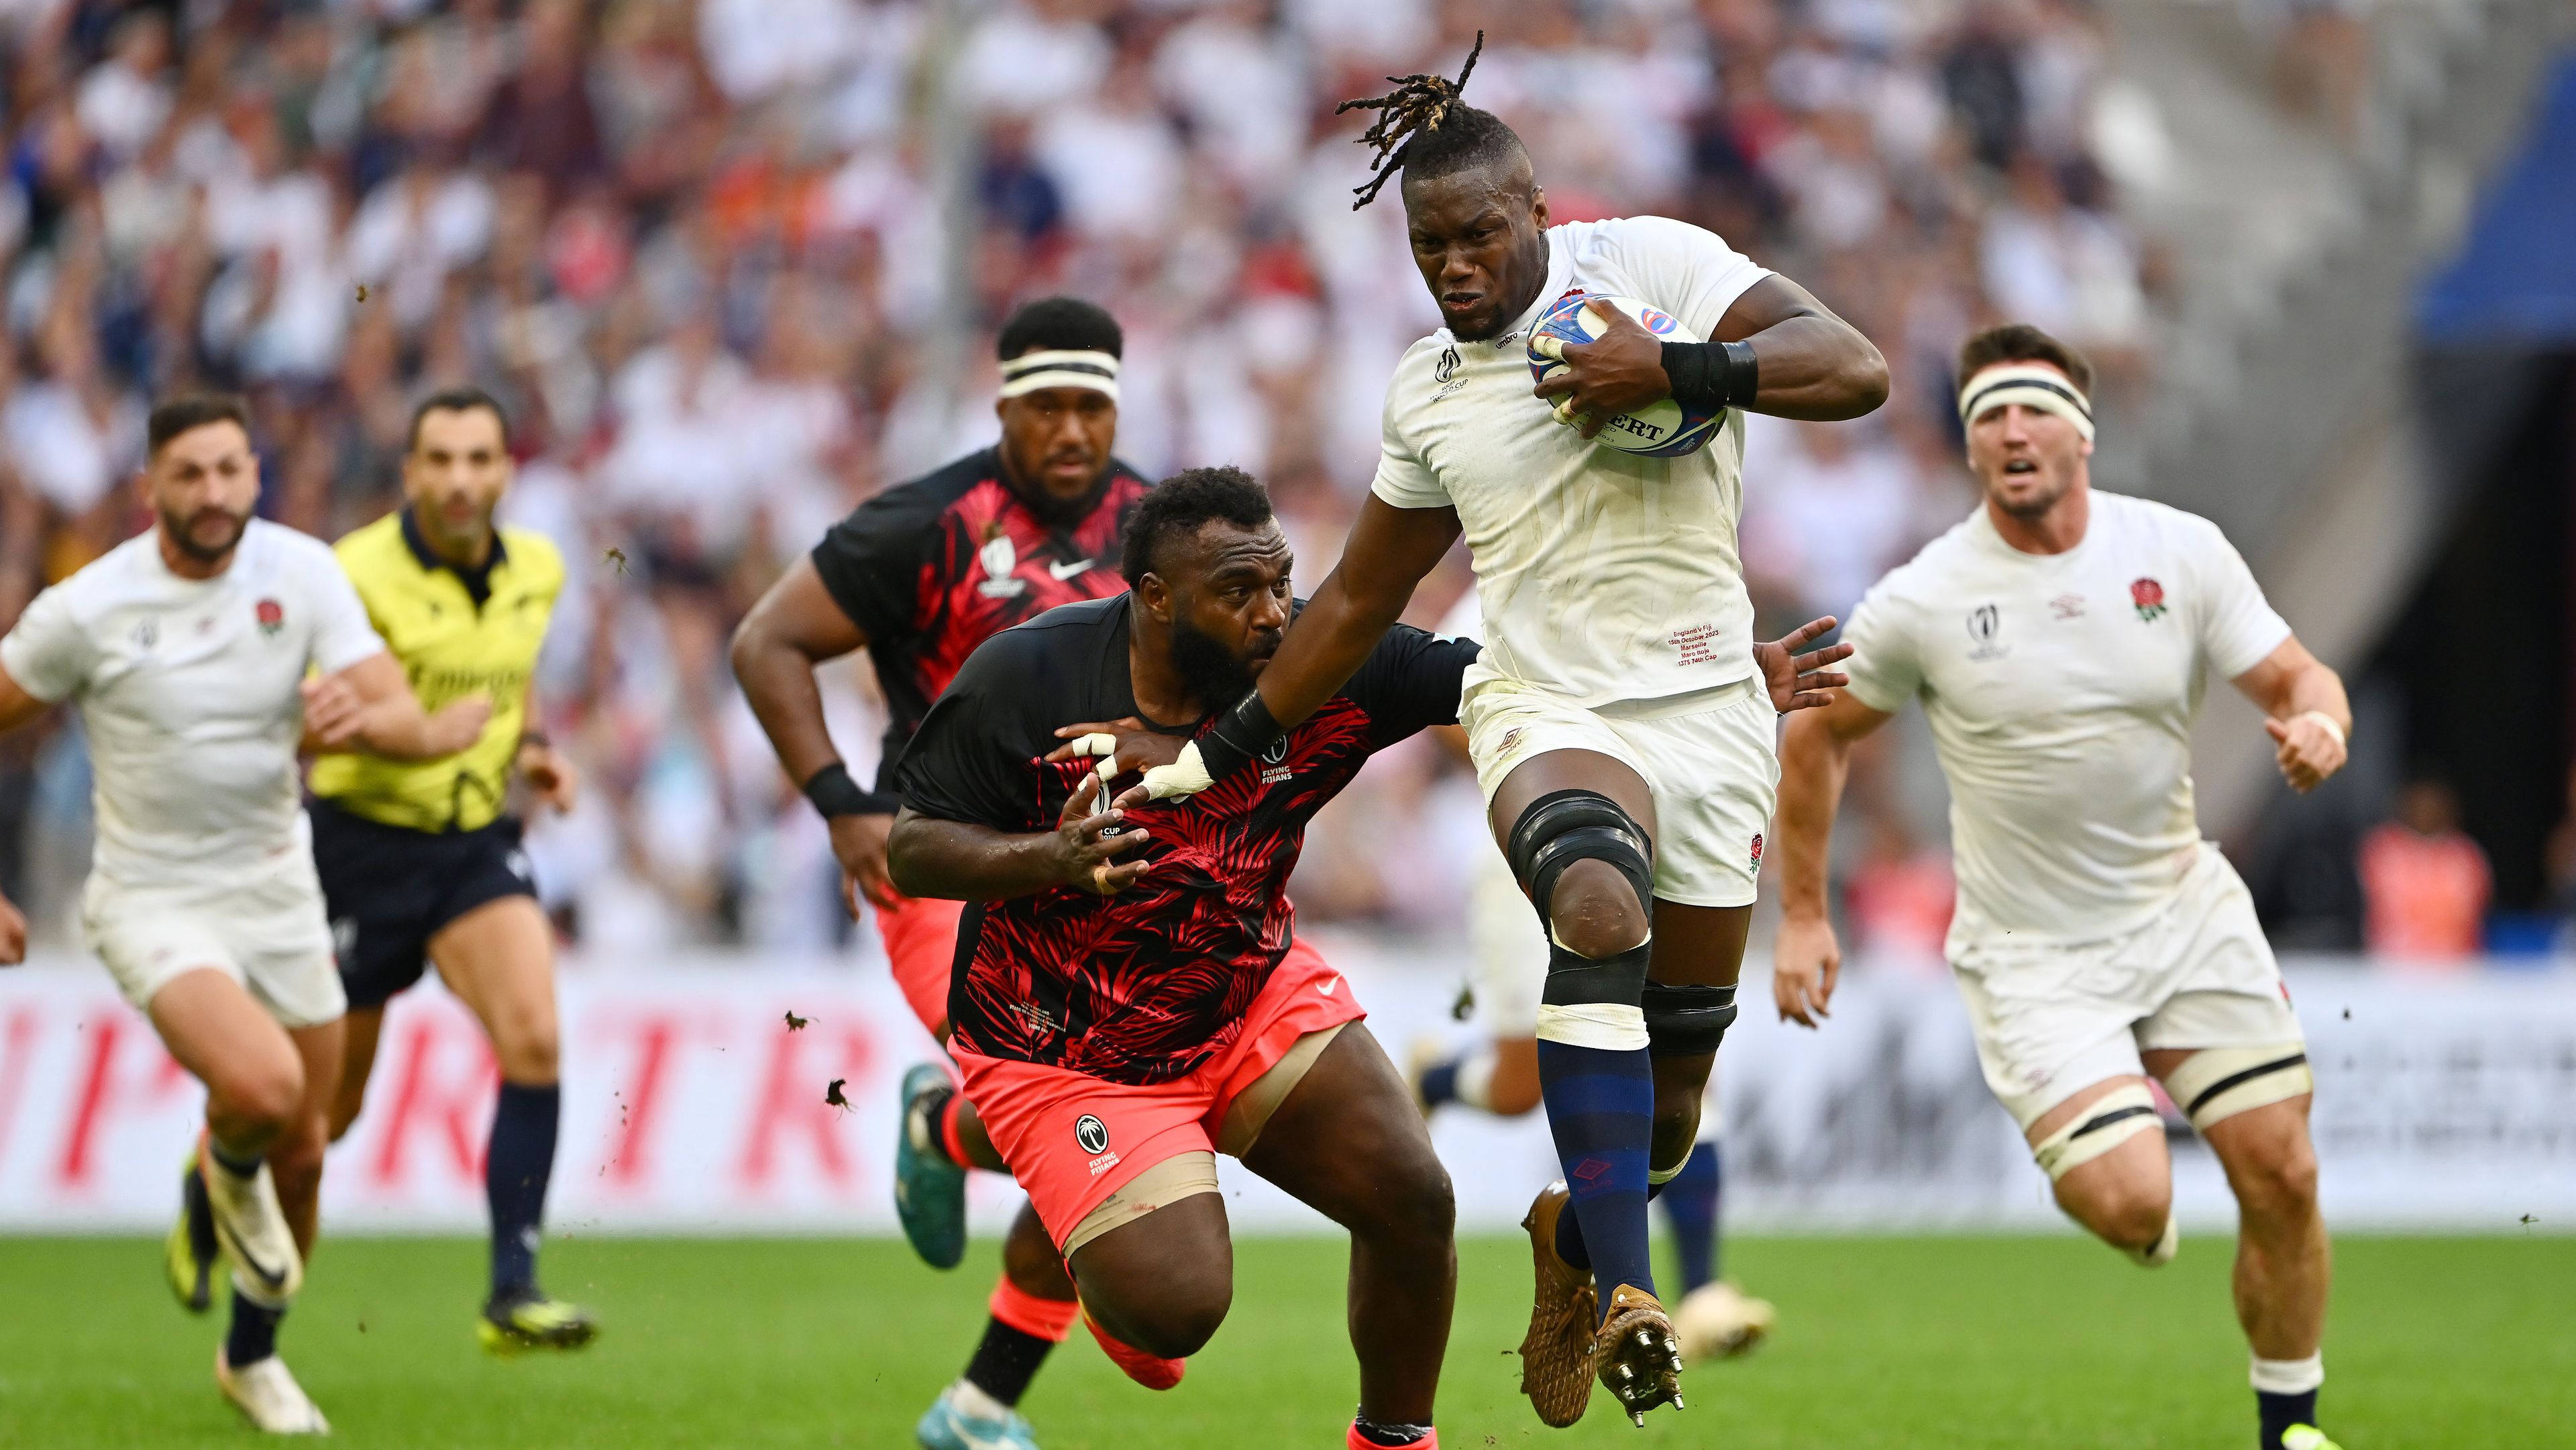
x=1815, y=756
x=963, y=861
x=2310, y=720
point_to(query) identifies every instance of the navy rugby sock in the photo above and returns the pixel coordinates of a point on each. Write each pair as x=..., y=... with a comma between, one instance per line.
x=253, y=1336
x=2279, y=1412
x=1601, y=1110
x=1690, y=1200
x=515, y=1173
x=1440, y=1083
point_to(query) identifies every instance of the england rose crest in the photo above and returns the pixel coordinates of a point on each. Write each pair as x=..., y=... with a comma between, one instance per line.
x=2149, y=596
x=272, y=616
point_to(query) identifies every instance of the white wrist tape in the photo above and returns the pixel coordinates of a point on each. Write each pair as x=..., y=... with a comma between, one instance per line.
x=1185, y=776
x=2327, y=722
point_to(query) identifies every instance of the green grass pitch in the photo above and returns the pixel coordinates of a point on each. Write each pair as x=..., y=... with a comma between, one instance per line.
x=2005, y=1342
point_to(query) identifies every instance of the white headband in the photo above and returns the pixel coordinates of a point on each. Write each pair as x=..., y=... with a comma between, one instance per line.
x=2043, y=388
x=1031, y=371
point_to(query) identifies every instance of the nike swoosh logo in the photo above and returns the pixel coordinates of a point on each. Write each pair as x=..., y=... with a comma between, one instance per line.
x=1063, y=572
x=1329, y=988
x=272, y=1278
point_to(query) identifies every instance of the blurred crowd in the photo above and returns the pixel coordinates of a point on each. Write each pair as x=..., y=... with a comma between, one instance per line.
x=733, y=266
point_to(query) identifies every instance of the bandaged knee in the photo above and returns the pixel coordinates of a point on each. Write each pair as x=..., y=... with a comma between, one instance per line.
x=2105, y=1123
x=1687, y=1021
x=2216, y=1083
x=1594, y=1002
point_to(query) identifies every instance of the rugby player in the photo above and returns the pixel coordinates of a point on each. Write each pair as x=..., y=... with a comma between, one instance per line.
x=2059, y=640
x=919, y=576
x=1622, y=720
x=186, y=650
x=1498, y=1074
x=420, y=863
x=1131, y=999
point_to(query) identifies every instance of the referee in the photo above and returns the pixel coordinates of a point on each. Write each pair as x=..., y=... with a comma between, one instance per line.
x=420, y=863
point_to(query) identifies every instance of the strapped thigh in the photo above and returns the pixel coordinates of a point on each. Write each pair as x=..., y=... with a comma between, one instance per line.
x=2217, y=1083
x=2104, y=1124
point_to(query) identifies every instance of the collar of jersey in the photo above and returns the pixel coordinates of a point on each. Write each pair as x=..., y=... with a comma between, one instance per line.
x=429, y=560
x=1992, y=540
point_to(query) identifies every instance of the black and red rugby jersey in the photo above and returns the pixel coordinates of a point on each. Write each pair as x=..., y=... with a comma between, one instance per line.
x=1144, y=986
x=932, y=568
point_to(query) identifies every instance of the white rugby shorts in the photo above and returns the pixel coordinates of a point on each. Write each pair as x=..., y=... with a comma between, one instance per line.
x=266, y=930
x=1711, y=761
x=1507, y=950
x=2053, y=1020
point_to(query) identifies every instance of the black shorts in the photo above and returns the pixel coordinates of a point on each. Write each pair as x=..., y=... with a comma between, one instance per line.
x=390, y=888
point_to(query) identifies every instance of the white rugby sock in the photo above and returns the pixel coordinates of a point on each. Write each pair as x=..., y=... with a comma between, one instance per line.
x=1475, y=1084
x=966, y=1395
x=2289, y=1376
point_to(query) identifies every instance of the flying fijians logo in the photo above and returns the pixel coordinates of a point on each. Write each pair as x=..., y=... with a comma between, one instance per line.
x=272, y=617
x=1274, y=762
x=2149, y=596
x=1091, y=1133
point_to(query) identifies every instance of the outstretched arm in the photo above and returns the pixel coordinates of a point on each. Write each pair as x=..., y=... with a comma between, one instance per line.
x=1815, y=756
x=1389, y=551
x=2310, y=719
x=370, y=707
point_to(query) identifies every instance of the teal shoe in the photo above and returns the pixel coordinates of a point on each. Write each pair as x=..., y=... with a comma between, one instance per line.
x=947, y=1425
x=929, y=1190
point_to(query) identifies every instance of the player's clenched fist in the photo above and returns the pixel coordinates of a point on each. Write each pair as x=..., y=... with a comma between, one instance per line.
x=1805, y=961
x=1087, y=846
x=2310, y=748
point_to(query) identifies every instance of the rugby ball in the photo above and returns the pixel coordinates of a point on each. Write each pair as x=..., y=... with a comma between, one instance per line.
x=1662, y=429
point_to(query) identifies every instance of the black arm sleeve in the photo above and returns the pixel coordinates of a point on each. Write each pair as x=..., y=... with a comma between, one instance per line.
x=1410, y=682
x=973, y=758
x=871, y=562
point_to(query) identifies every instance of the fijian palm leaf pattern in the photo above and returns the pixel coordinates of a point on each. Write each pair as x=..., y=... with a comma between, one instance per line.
x=1145, y=986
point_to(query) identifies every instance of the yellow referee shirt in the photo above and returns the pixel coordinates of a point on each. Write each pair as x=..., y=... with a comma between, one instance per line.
x=456, y=635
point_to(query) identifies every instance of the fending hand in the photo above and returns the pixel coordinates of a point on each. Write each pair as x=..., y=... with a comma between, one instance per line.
x=1801, y=681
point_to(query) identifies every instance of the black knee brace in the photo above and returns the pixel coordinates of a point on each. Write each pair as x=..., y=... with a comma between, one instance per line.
x=1557, y=830
x=1687, y=1021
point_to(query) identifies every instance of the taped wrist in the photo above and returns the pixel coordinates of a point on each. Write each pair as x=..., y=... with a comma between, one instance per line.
x=1238, y=735
x=1712, y=374
x=1687, y=1021
x=835, y=794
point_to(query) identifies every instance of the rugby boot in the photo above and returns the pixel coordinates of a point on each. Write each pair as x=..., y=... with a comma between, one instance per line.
x=1638, y=1357
x=190, y=1254
x=2306, y=1437
x=252, y=1231
x=929, y=1190
x=530, y=1319
x=1150, y=1370
x=1556, y=1354
x=953, y=1422
x=268, y=1397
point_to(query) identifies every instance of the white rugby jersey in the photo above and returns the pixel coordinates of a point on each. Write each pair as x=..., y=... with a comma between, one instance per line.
x=2061, y=689
x=188, y=689
x=1602, y=577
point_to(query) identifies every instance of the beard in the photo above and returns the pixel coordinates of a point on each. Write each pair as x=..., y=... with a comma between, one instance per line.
x=182, y=534
x=1209, y=671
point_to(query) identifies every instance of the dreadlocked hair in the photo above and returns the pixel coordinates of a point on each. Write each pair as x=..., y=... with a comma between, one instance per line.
x=1424, y=130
